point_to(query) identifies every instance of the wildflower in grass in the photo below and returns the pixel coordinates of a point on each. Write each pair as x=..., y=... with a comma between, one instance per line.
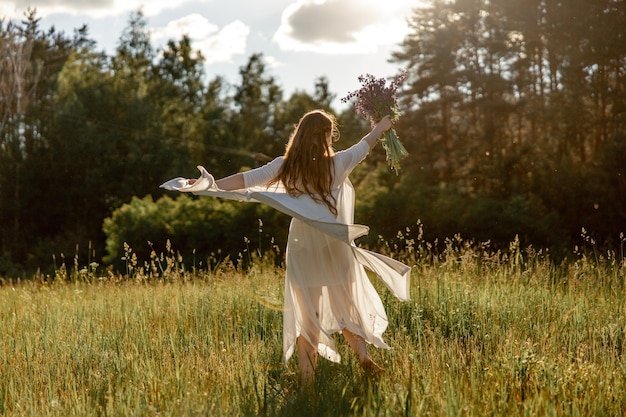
x=374, y=100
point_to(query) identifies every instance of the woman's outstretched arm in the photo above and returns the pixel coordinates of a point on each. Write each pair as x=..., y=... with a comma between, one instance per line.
x=230, y=183
x=381, y=127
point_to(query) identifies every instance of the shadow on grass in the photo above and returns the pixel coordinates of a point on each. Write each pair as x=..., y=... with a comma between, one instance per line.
x=339, y=390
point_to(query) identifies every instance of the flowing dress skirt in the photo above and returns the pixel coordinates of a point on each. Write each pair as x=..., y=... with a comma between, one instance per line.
x=327, y=290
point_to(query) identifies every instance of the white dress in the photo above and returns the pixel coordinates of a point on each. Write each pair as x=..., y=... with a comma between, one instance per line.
x=326, y=286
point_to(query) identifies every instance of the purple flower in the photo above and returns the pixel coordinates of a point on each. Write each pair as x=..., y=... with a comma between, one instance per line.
x=373, y=101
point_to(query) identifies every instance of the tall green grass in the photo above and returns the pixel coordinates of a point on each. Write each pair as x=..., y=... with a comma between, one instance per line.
x=486, y=333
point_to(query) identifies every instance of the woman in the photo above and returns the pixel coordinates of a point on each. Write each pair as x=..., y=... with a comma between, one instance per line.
x=326, y=287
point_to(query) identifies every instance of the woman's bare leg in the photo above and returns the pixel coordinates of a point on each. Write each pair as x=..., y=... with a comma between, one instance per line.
x=357, y=343
x=308, y=299
x=307, y=360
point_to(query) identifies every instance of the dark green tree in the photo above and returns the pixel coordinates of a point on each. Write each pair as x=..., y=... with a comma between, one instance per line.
x=256, y=100
x=31, y=64
x=510, y=97
x=178, y=94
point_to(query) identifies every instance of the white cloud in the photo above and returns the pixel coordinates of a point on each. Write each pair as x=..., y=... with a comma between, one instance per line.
x=272, y=62
x=342, y=26
x=93, y=8
x=194, y=25
x=229, y=41
x=216, y=45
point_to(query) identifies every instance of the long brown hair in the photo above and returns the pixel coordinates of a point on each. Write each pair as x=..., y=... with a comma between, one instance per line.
x=308, y=164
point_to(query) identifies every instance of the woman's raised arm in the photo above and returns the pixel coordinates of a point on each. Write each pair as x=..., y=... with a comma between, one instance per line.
x=381, y=127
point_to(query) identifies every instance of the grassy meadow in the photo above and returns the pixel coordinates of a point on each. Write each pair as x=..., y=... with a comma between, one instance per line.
x=486, y=333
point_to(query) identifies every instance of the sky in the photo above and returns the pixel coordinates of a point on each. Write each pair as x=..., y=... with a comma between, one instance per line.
x=300, y=40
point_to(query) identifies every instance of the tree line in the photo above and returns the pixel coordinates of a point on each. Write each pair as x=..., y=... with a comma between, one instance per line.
x=513, y=114
x=518, y=109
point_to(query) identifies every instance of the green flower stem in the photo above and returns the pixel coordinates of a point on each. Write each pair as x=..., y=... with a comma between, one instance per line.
x=394, y=150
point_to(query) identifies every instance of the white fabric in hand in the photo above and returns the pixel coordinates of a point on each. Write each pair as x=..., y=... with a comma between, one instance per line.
x=204, y=183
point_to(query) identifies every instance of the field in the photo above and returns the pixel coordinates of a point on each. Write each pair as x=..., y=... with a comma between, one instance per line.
x=486, y=333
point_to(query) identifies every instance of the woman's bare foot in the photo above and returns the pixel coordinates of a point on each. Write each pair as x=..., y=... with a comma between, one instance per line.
x=357, y=343
x=370, y=366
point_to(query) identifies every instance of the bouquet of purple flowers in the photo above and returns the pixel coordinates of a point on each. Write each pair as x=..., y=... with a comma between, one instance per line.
x=374, y=100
